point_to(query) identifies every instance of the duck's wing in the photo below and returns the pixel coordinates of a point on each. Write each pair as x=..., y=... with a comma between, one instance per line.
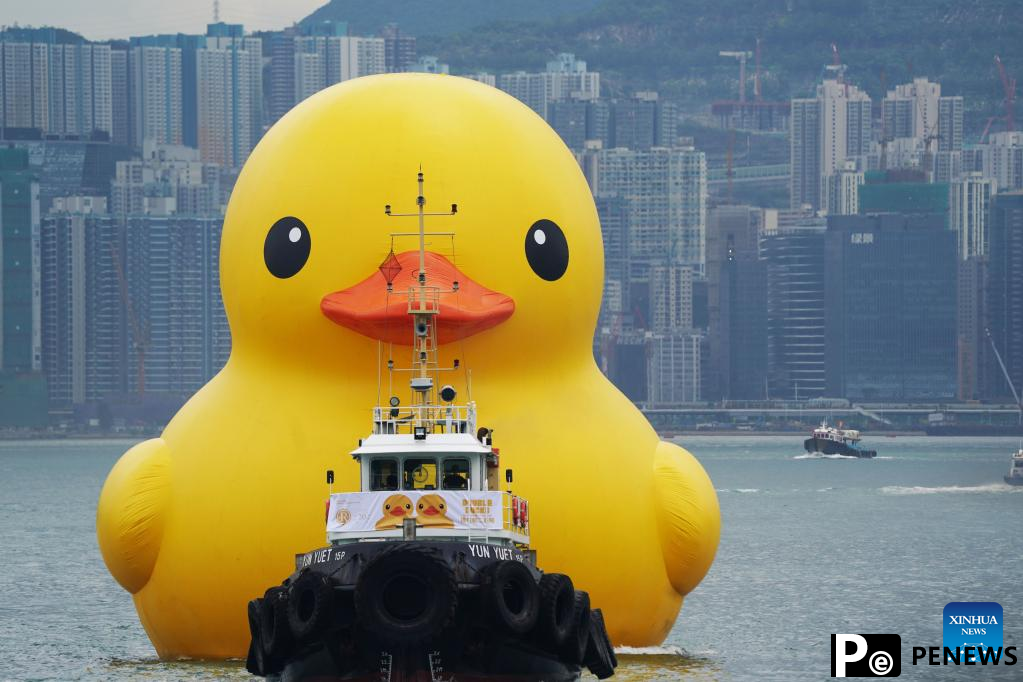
x=131, y=513
x=688, y=516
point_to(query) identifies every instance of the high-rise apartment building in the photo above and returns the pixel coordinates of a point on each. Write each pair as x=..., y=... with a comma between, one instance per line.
x=321, y=61
x=673, y=367
x=666, y=193
x=565, y=78
x=59, y=88
x=166, y=180
x=131, y=304
x=399, y=49
x=157, y=93
x=120, y=98
x=969, y=200
x=918, y=110
x=1002, y=159
x=842, y=189
x=826, y=131
x=229, y=81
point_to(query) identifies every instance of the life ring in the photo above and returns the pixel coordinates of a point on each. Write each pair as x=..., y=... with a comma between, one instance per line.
x=274, y=633
x=600, y=657
x=255, y=662
x=511, y=597
x=310, y=605
x=406, y=594
x=554, y=624
x=574, y=649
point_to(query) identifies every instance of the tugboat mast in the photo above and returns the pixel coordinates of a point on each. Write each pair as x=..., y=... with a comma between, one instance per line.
x=423, y=306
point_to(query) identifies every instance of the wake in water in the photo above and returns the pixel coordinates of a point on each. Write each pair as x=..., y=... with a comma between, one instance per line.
x=923, y=490
x=670, y=650
x=737, y=490
x=817, y=455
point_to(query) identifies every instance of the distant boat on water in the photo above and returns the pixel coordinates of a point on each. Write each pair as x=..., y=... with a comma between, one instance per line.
x=1015, y=475
x=827, y=440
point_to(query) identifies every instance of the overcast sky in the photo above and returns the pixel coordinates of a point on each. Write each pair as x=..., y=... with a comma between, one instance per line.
x=103, y=19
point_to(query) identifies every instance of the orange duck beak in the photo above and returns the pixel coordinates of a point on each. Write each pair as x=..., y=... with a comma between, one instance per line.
x=371, y=310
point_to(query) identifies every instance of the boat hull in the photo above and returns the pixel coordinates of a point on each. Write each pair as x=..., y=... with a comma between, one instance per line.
x=1013, y=480
x=424, y=611
x=830, y=447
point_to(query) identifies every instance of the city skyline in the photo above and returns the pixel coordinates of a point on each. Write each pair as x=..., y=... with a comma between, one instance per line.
x=724, y=265
x=118, y=19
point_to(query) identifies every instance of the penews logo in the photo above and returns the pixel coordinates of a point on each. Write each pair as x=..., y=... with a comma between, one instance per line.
x=971, y=635
x=866, y=655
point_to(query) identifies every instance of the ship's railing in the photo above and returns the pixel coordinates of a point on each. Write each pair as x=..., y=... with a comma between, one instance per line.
x=424, y=300
x=446, y=514
x=433, y=418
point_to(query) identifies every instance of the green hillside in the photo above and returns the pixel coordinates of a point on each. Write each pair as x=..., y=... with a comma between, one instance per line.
x=673, y=46
x=441, y=17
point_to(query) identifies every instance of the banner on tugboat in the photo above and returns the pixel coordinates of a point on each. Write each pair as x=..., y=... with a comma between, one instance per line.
x=469, y=510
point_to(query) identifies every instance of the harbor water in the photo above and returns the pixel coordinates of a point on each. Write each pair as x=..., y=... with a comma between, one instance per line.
x=810, y=546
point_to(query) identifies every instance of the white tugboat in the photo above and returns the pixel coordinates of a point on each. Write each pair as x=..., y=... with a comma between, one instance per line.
x=428, y=574
x=1015, y=475
x=827, y=440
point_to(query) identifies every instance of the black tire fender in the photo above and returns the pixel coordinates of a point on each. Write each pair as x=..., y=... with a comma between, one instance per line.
x=255, y=662
x=406, y=594
x=310, y=605
x=511, y=598
x=274, y=632
x=554, y=624
x=600, y=658
x=574, y=649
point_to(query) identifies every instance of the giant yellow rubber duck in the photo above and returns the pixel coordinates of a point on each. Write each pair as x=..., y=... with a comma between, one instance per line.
x=205, y=517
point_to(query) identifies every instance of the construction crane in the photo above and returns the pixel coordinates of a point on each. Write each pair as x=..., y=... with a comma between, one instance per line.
x=742, y=57
x=756, y=75
x=987, y=127
x=1005, y=373
x=1009, y=85
x=838, y=68
x=140, y=342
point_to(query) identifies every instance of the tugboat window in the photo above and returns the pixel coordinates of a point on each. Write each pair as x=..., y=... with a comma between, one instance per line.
x=419, y=474
x=383, y=474
x=456, y=474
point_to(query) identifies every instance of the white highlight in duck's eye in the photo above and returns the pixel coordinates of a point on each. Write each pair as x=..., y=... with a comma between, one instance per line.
x=538, y=236
x=296, y=233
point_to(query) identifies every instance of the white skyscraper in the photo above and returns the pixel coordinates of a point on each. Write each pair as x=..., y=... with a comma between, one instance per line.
x=968, y=203
x=1002, y=159
x=827, y=130
x=229, y=83
x=60, y=89
x=665, y=194
x=918, y=123
x=841, y=190
x=156, y=86
x=565, y=78
x=322, y=61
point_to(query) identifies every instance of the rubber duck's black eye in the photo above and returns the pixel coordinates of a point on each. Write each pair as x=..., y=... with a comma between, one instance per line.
x=286, y=248
x=547, y=250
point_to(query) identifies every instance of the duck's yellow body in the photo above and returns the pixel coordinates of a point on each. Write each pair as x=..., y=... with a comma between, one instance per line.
x=204, y=518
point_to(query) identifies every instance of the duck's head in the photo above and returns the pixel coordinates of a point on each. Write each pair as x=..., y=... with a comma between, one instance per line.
x=397, y=506
x=432, y=506
x=306, y=233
